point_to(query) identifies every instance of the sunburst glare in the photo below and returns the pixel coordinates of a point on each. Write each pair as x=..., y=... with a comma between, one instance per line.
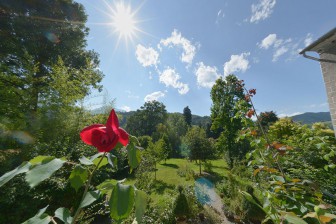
x=124, y=22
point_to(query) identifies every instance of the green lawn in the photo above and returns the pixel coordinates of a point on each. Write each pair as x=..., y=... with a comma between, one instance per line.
x=167, y=178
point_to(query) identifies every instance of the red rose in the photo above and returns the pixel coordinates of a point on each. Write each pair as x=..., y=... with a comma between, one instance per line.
x=105, y=138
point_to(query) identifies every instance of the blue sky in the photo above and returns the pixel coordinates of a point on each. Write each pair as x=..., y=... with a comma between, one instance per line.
x=175, y=50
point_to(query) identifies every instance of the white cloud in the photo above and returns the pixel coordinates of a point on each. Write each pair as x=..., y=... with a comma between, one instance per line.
x=171, y=78
x=290, y=115
x=126, y=108
x=176, y=39
x=308, y=40
x=237, y=63
x=280, y=51
x=206, y=75
x=268, y=41
x=262, y=10
x=279, y=46
x=147, y=56
x=154, y=96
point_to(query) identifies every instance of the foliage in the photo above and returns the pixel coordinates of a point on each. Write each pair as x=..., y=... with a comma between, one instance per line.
x=145, y=141
x=285, y=193
x=176, y=128
x=145, y=120
x=40, y=168
x=186, y=171
x=198, y=145
x=235, y=203
x=44, y=62
x=181, y=205
x=225, y=94
x=267, y=118
x=187, y=115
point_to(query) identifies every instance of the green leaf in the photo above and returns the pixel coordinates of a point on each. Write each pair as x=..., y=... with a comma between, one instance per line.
x=107, y=186
x=39, y=218
x=118, y=146
x=102, y=163
x=250, y=199
x=121, y=201
x=64, y=215
x=43, y=171
x=292, y=218
x=112, y=160
x=40, y=159
x=78, y=177
x=248, y=155
x=134, y=156
x=85, y=161
x=140, y=204
x=89, y=198
x=23, y=168
x=134, y=140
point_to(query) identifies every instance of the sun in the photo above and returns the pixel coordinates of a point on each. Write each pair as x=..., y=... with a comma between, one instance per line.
x=124, y=22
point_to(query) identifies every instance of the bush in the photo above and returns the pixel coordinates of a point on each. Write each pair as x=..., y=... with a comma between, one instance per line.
x=235, y=202
x=186, y=172
x=181, y=206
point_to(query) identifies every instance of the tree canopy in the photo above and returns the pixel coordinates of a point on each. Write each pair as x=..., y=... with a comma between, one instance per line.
x=225, y=94
x=187, y=115
x=146, y=120
x=43, y=55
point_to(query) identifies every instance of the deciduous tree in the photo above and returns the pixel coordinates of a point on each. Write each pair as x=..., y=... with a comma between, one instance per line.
x=225, y=94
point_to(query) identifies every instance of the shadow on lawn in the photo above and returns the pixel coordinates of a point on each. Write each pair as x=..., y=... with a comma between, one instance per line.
x=171, y=165
x=159, y=186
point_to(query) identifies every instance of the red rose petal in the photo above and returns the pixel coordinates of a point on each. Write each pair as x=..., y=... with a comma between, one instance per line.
x=123, y=136
x=86, y=133
x=112, y=121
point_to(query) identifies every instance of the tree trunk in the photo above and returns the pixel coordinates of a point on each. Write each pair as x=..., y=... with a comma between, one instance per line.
x=155, y=171
x=200, y=167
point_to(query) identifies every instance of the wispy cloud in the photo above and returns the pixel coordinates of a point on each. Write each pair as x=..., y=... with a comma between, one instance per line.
x=268, y=41
x=154, y=96
x=317, y=106
x=262, y=10
x=220, y=16
x=206, y=75
x=131, y=95
x=147, y=56
x=171, y=78
x=308, y=40
x=278, y=52
x=237, y=63
x=280, y=46
x=176, y=39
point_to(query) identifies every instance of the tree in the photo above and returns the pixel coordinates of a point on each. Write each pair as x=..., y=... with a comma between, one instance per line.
x=267, y=118
x=187, y=115
x=156, y=152
x=225, y=95
x=176, y=128
x=44, y=61
x=146, y=120
x=198, y=145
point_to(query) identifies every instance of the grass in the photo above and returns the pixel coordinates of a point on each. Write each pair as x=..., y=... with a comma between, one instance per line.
x=167, y=179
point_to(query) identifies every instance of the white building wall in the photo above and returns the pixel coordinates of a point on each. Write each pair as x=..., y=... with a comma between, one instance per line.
x=329, y=76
